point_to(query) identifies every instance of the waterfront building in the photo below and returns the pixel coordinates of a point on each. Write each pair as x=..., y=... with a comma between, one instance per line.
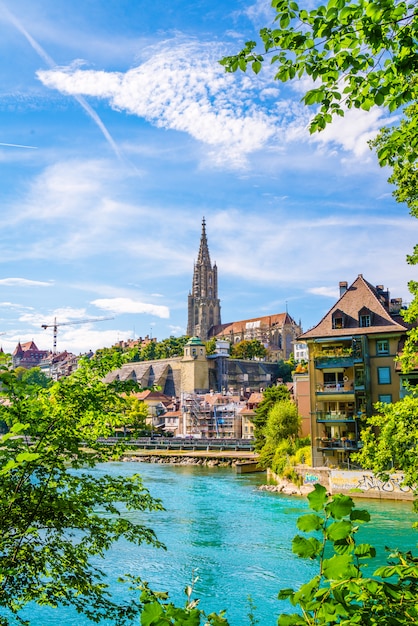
x=352, y=365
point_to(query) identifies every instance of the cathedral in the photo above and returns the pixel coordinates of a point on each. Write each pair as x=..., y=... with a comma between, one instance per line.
x=276, y=332
x=204, y=308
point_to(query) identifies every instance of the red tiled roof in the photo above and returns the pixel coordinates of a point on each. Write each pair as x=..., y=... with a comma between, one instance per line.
x=279, y=319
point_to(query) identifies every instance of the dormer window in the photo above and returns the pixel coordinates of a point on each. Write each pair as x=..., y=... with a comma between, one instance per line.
x=364, y=317
x=364, y=321
x=337, y=320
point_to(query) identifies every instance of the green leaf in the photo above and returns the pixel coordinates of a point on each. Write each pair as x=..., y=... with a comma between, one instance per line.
x=317, y=498
x=23, y=457
x=340, y=506
x=310, y=522
x=306, y=548
x=359, y=515
x=291, y=620
x=339, y=530
x=256, y=66
x=152, y=614
x=365, y=550
x=339, y=567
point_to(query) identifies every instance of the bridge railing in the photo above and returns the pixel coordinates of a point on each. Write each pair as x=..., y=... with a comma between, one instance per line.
x=180, y=443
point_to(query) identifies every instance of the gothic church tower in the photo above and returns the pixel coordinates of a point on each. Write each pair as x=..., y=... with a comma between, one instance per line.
x=204, y=308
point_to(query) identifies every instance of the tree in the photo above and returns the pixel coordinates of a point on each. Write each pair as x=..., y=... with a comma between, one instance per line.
x=361, y=54
x=271, y=395
x=283, y=422
x=171, y=347
x=33, y=376
x=248, y=349
x=395, y=447
x=339, y=593
x=136, y=414
x=57, y=518
x=211, y=346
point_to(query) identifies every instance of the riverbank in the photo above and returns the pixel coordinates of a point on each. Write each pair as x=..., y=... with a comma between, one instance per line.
x=207, y=458
x=355, y=483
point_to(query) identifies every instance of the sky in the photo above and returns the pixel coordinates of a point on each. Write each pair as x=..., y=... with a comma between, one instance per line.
x=120, y=131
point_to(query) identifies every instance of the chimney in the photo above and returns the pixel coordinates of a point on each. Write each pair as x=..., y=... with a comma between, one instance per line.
x=343, y=287
x=383, y=295
x=395, y=306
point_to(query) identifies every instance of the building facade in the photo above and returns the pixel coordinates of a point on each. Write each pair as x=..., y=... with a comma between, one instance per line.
x=28, y=355
x=277, y=333
x=352, y=365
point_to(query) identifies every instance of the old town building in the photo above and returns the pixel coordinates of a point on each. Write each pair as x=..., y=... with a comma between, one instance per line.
x=276, y=332
x=352, y=365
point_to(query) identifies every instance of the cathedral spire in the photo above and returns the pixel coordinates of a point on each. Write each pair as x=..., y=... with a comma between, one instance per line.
x=203, y=257
x=204, y=309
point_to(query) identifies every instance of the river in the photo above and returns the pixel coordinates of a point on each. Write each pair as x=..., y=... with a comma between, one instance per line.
x=236, y=538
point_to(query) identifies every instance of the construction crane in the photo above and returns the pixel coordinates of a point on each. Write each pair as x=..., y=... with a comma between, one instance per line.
x=55, y=325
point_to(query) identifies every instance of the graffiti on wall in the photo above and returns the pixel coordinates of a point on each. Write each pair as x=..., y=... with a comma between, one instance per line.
x=367, y=482
x=370, y=483
x=310, y=479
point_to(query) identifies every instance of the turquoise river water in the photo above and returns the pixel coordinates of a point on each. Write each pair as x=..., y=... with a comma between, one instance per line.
x=234, y=536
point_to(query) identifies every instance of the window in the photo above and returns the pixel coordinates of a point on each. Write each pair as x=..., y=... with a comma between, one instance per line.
x=383, y=375
x=338, y=319
x=364, y=321
x=382, y=347
x=333, y=380
x=386, y=398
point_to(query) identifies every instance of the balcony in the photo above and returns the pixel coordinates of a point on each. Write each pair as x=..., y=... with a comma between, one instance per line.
x=335, y=391
x=334, y=416
x=333, y=361
x=338, y=444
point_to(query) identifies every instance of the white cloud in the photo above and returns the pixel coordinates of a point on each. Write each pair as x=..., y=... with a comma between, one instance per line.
x=182, y=87
x=24, y=282
x=327, y=292
x=353, y=131
x=128, y=305
x=66, y=315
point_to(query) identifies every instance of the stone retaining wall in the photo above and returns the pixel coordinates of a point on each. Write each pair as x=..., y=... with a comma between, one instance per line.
x=183, y=460
x=355, y=483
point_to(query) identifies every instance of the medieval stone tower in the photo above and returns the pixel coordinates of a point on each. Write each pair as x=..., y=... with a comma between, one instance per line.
x=204, y=308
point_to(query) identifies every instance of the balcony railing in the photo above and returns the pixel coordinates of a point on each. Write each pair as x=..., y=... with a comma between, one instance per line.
x=330, y=361
x=334, y=416
x=345, y=387
x=338, y=444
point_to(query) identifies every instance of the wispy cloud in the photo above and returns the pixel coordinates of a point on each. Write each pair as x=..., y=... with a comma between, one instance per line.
x=24, y=282
x=48, y=60
x=128, y=305
x=181, y=86
x=327, y=292
x=17, y=145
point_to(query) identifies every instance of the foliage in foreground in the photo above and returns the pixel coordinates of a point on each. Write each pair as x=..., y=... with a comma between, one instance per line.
x=58, y=518
x=396, y=446
x=340, y=593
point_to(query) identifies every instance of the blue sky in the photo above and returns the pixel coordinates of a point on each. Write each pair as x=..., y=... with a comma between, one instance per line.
x=120, y=131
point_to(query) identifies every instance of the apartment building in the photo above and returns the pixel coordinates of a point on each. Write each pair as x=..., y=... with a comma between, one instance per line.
x=352, y=365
